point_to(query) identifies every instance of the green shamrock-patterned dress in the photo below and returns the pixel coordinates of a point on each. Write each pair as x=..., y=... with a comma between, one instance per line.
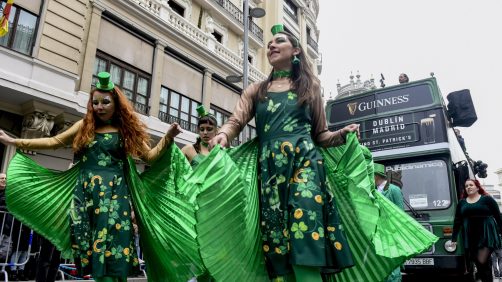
x=101, y=227
x=299, y=221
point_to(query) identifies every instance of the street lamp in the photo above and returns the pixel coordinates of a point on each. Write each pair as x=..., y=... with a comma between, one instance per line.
x=234, y=78
x=248, y=14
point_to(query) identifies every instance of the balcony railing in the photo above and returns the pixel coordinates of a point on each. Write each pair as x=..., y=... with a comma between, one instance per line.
x=237, y=14
x=141, y=108
x=312, y=43
x=165, y=117
x=290, y=14
x=235, y=143
x=198, y=37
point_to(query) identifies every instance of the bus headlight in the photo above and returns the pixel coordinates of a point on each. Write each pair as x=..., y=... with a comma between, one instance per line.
x=449, y=246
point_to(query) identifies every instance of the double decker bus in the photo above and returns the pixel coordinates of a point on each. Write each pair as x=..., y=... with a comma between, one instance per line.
x=408, y=129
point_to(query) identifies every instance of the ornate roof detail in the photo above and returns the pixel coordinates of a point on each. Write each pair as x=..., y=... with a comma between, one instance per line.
x=355, y=86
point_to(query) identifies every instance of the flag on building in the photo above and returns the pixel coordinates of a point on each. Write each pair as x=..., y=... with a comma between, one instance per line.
x=4, y=20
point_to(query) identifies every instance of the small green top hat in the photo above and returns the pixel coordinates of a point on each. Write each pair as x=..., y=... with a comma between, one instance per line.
x=280, y=28
x=104, y=82
x=277, y=28
x=379, y=169
x=202, y=111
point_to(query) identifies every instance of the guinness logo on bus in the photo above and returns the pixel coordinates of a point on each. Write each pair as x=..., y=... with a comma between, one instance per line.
x=352, y=108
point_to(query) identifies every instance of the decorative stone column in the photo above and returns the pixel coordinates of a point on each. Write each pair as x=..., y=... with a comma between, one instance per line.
x=37, y=124
x=206, y=88
x=63, y=121
x=91, y=47
x=38, y=119
x=158, y=68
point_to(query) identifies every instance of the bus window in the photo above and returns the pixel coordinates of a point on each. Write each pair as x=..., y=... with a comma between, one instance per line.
x=425, y=184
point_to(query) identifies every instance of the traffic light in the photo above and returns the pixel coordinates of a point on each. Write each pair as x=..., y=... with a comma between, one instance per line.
x=480, y=169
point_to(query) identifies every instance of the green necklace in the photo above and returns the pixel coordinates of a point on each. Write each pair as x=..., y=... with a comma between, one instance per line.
x=282, y=73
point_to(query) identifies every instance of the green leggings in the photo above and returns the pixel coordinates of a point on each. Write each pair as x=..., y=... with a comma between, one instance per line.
x=302, y=274
x=111, y=279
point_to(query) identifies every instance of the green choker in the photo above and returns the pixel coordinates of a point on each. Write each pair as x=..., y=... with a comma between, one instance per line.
x=282, y=73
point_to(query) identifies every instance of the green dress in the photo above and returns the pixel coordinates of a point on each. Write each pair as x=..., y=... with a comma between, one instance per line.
x=480, y=222
x=196, y=160
x=101, y=228
x=299, y=220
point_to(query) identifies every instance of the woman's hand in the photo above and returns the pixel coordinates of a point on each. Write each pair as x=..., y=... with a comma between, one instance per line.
x=6, y=139
x=351, y=128
x=220, y=138
x=173, y=130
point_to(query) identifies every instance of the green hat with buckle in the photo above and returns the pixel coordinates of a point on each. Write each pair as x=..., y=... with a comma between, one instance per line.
x=104, y=82
x=379, y=169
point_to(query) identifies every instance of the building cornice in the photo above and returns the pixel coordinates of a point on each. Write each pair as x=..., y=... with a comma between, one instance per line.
x=198, y=41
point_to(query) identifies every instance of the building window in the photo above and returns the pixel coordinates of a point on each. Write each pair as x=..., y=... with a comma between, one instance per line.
x=250, y=59
x=247, y=133
x=220, y=115
x=134, y=83
x=291, y=9
x=308, y=31
x=174, y=107
x=177, y=8
x=22, y=30
x=218, y=36
x=286, y=29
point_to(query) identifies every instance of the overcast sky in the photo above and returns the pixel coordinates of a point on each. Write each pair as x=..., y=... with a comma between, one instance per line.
x=459, y=40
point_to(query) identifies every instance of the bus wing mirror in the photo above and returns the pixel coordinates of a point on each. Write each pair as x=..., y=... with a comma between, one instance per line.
x=461, y=108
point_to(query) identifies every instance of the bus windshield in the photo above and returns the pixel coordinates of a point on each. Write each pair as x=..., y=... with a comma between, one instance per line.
x=425, y=184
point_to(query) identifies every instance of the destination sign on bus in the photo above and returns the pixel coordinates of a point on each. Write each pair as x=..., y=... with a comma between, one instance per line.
x=398, y=99
x=403, y=130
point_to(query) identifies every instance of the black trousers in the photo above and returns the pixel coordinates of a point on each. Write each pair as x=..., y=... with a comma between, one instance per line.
x=48, y=262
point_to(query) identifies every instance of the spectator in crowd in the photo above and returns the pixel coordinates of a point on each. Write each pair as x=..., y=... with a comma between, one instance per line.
x=478, y=218
x=18, y=242
x=394, y=194
x=403, y=78
x=5, y=219
x=460, y=139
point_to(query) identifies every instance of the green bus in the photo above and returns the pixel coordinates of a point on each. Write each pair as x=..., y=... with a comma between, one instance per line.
x=408, y=128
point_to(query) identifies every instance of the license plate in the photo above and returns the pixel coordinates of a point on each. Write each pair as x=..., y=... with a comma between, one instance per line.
x=420, y=261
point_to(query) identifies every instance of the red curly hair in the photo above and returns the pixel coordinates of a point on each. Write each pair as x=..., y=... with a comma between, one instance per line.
x=481, y=191
x=132, y=130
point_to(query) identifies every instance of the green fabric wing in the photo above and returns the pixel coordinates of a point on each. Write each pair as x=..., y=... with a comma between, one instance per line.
x=166, y=218
x=381, y=236
x=40, y=198
x=228, y=214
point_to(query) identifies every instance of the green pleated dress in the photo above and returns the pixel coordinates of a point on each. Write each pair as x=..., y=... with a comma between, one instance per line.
x=299, y=220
